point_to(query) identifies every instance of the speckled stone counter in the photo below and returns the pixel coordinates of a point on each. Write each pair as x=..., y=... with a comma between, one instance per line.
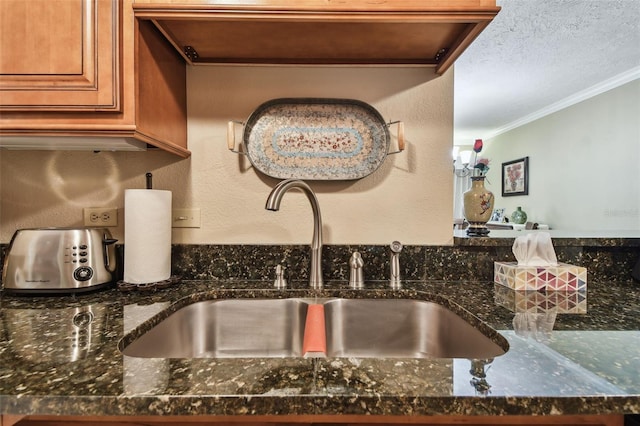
x=588, y=364
x=468, y=259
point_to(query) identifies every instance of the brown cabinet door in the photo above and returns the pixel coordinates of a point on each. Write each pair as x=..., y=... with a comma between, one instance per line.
x=59, y=55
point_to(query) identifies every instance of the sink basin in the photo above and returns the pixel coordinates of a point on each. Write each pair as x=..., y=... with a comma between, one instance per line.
x=402, y=328
x=361, y=328
x=228, y=328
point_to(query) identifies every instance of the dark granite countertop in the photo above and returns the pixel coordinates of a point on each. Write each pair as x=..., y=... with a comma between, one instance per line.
x=499, y=237
x=588, y=364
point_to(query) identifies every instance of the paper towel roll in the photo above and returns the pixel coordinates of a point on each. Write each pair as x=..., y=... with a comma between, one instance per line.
x=147, y=235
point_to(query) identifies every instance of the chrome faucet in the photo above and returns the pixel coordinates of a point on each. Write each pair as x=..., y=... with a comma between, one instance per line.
x=394, y=278
x=356, y=275
x=273, y=204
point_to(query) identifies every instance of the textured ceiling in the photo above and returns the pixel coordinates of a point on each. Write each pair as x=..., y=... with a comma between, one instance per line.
x=538, y=55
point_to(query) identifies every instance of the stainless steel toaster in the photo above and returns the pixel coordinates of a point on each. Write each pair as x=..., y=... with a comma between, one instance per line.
x=50, y=260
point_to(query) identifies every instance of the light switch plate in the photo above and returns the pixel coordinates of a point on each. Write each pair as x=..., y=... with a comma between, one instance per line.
x=185, y=218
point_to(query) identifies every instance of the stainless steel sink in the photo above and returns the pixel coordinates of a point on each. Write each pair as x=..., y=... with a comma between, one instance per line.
x=361, y=328
x=229, y=328
x=402, y=328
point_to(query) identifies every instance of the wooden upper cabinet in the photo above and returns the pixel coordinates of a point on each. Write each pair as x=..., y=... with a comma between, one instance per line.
x=85, y=74
x=59, y=55
x=324, y=32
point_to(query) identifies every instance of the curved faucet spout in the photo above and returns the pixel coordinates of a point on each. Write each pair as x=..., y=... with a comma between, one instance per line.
x=273, y=204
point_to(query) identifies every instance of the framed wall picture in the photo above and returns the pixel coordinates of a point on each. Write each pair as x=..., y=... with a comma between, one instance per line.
x=515, y=177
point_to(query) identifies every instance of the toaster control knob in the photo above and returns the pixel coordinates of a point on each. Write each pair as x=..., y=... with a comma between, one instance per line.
x=83, y=273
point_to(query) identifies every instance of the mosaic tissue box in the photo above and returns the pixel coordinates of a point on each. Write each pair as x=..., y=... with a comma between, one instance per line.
x=540, y=302
x=563, y=277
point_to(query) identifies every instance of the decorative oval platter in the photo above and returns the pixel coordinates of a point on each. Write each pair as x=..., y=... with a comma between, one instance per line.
x=316, y=139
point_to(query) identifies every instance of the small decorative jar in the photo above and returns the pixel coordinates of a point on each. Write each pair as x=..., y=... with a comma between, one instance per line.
x=519, y=216
x=478, y=207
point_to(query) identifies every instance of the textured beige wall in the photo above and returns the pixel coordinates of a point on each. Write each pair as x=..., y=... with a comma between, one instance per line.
x=408, y=198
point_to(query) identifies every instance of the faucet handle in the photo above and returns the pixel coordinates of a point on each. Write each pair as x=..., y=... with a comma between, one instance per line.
x=356, y=275
x=280, y=282
x=396, y=247
x=394, y=279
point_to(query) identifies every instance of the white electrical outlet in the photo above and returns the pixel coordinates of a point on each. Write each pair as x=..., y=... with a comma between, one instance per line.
x=185, y=218
x=100, y=216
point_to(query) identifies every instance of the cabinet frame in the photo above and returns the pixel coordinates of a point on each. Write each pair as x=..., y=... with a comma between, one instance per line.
x=314, y=32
